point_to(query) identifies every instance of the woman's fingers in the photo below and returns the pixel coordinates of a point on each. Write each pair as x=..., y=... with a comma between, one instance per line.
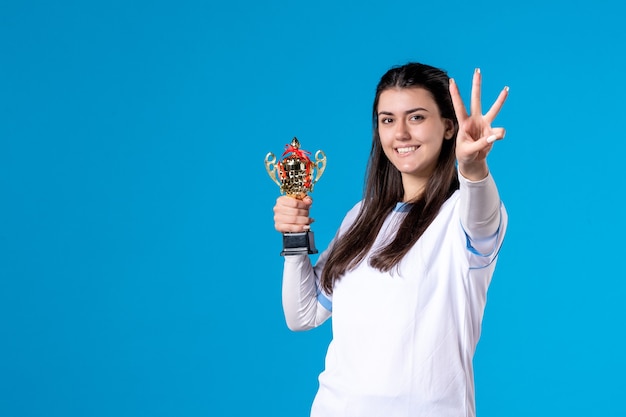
x=291, y=214
x=475, y=107
x=497, y=133
x=475, y=101
x=469, y=150
x=475, y=125
x=457, y=102
x=497, y=105
x=294, y=203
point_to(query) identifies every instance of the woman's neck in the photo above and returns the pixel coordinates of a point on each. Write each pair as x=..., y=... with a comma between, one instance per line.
x=413, y=188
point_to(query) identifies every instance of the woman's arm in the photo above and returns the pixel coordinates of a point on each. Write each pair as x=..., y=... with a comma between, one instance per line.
x=479, y=210
x=479, y=200
x=304, y=305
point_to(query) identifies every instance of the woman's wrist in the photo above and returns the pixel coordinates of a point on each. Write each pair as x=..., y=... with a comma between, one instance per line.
x=475, y=171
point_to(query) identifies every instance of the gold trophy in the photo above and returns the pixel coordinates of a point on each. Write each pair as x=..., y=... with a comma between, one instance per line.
x=296, y=175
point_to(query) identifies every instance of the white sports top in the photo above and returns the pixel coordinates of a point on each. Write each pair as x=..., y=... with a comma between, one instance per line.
x=403, y=341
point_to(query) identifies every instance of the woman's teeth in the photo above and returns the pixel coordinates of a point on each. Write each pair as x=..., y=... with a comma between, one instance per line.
x=407, y=149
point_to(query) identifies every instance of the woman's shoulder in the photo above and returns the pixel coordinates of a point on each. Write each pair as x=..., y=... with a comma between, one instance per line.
x=351, y=215
x=356, y=207
x=354, y=211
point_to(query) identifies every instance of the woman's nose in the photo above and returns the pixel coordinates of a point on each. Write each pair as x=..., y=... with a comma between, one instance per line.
x=402, y=131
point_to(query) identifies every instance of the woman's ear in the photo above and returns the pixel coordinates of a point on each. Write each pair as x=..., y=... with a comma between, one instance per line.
x=449, y=132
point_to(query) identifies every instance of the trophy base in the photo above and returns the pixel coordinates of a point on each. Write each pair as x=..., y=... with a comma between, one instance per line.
x=298, y=243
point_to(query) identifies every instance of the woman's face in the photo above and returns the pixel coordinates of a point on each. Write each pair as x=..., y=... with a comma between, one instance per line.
x=412, y=131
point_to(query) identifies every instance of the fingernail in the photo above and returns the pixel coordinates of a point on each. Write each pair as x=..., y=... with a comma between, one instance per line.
x=491, y=139
x=477, y=70
x=506, y=88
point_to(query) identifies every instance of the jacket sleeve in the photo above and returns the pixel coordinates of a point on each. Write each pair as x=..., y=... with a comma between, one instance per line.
x=305, y=305
x=481, y=212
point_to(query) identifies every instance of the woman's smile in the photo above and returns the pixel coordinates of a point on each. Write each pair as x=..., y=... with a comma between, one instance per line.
x=406, y=149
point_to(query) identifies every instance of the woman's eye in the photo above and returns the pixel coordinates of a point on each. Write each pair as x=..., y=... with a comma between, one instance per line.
x=417, y=117
x=386, y=120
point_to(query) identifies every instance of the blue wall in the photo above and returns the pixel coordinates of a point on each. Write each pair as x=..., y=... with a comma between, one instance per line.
x=139, y=268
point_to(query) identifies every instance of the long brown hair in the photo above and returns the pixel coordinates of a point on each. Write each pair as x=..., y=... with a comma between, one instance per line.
x=383, y=185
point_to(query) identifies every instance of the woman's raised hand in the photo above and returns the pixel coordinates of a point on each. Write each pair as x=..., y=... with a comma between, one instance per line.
x=292, y=215
x=476, y=136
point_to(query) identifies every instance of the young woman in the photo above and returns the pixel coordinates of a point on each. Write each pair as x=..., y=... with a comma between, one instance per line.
x=406, y=276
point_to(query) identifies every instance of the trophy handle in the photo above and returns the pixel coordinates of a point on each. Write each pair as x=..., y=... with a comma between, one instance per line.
x=271, y=167
x=320, y=166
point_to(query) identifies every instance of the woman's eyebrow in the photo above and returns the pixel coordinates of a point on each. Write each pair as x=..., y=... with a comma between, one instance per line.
x=415, y=109
x=388, y=113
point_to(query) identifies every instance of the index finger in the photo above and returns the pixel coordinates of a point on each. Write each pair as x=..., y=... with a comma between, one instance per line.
x=292, y=202
x=457, y=102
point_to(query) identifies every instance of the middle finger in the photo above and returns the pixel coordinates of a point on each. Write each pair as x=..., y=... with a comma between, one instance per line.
x=475, y=107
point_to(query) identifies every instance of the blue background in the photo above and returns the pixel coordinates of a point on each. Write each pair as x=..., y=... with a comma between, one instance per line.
x=139, y=267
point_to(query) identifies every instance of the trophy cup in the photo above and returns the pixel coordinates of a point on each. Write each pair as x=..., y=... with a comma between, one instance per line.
x=296, y=175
